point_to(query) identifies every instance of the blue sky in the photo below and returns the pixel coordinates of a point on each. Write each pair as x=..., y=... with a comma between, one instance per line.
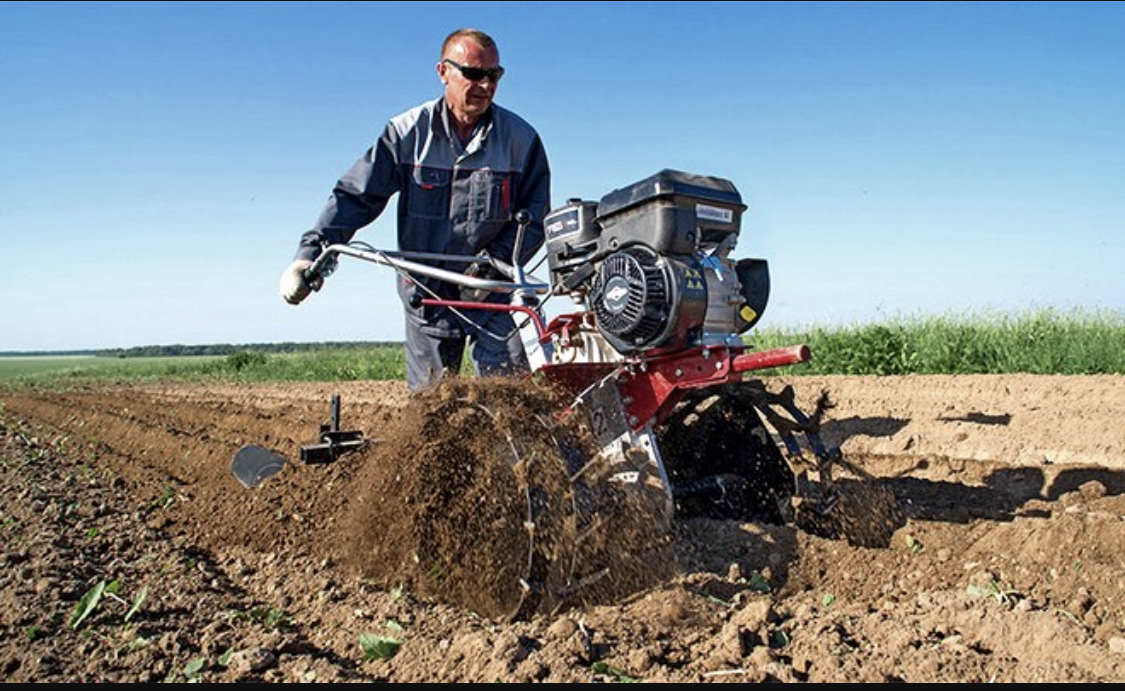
x=158, y=161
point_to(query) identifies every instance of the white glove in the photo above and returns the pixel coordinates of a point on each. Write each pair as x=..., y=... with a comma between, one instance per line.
x=293, y=287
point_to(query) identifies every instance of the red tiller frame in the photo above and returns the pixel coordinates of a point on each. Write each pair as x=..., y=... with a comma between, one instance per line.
x=650, y=386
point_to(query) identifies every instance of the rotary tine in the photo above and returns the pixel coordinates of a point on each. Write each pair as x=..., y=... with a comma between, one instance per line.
x=790, y=429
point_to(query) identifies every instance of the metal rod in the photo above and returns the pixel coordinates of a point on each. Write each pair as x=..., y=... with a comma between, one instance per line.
x=494, y=307
x=523, y=219
x=396, y=261
x=779, y=357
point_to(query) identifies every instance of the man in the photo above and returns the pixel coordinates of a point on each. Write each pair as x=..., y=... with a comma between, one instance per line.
x=462, y=167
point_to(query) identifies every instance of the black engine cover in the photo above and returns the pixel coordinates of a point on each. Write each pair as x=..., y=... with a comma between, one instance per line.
x=643, y=301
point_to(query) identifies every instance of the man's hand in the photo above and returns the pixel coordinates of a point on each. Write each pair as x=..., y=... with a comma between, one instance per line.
x=293, y=287
x=478, y=269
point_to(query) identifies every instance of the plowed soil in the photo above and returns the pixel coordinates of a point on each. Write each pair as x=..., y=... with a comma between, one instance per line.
x=1005, y=560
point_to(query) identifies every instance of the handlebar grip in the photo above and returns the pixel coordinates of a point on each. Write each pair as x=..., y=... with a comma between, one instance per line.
x=321, y=268
x=313, y=279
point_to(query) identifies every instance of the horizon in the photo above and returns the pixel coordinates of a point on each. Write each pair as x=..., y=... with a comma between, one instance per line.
x=980, y=319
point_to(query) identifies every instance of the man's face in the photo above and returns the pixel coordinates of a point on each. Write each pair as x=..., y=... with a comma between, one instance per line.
x=468, y=99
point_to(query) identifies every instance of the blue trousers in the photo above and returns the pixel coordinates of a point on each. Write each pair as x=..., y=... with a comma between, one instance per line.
x=494, y=344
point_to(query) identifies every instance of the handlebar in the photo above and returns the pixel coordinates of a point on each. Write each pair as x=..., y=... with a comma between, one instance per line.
x=411, y=262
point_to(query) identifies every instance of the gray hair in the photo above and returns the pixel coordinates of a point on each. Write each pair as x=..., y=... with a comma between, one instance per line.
x=479, y=37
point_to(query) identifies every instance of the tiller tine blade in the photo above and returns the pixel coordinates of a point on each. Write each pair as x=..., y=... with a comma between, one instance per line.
x=815, y=486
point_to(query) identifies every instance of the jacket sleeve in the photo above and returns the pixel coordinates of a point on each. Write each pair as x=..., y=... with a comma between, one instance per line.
x=534, y=195
x=358, y=198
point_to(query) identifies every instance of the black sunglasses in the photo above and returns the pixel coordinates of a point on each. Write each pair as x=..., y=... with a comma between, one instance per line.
x=476, y=74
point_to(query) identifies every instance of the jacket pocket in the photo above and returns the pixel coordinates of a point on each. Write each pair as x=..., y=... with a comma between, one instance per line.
x=490, y=196
x=428, y=193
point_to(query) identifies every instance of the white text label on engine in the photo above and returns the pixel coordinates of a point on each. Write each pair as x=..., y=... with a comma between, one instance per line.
x=713, y=213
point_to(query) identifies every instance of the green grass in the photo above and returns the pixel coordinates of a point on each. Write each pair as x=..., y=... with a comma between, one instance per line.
x=13, y=367
x=328, y=364
x=82, y=368
x=1042, y=342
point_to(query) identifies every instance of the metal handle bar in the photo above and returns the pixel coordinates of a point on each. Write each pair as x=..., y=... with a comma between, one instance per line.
x=411, y=263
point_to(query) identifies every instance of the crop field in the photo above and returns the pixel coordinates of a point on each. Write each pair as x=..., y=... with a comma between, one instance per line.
x=990, y=544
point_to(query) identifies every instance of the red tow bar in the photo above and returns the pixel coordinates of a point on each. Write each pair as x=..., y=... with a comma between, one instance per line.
x=779, y=357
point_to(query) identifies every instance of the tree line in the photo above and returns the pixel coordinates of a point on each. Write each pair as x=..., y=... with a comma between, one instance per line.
x=180, y=350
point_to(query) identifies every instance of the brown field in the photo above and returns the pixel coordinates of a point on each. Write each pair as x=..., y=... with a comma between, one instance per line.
x=1006, y=564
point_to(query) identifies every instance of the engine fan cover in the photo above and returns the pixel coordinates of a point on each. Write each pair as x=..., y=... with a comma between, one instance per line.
x=645, y=301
